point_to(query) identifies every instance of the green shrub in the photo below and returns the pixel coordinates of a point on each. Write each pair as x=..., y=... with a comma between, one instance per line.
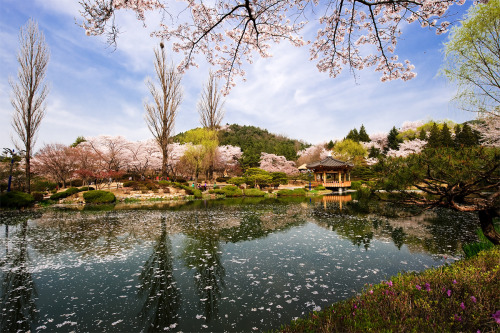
x=197, y=193
x=232, y=191
x=38, y=196
x=222, y=179
x=298, y=192
x=43, y=185
x=72, y=190
x=320, y=188
x=98, y=197
x=181, y=180
x=86, y=188
x=65, y=194
x=16, y=199
x=129, y=183
x=151, y=186
x=356, y=185
x=76, y=182
x=253, y=192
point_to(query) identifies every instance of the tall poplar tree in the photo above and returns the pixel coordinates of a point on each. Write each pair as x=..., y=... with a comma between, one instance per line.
x=29, y=91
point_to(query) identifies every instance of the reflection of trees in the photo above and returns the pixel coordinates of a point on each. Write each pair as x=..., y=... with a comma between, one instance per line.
x=435, y=231
x=158, y=286
x=202, y=252
x=18, y=288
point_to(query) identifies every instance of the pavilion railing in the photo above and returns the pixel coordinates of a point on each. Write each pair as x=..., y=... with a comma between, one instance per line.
x=332, y=184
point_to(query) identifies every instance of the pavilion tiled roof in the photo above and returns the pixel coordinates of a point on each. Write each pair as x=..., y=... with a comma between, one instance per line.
x=329, y=162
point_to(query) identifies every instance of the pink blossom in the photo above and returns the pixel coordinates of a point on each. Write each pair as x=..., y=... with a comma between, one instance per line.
x=462, y=305
x=418, y=287
x=448, y=293
x=473, y=299
x=496, y=316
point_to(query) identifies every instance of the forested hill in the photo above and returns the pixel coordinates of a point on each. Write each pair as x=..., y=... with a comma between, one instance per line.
x=254, y=140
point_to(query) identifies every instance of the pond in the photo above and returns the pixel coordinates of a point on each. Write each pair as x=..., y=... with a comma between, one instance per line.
x=231, y=265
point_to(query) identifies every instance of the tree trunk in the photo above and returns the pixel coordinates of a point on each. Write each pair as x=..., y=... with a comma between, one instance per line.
x=164, y=164
x=28, y=180
x=486, y=222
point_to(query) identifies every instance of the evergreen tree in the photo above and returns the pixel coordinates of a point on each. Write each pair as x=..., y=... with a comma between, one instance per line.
x=422, y=135
x=373, y=152
x=353, y=135
x=467, y=137
x=458, y=131
x=363, y=136
x=434, y=140
x=445, y=137
x=393, y=141
x=330, y=145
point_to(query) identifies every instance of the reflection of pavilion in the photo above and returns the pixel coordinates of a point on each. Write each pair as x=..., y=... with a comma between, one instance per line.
x=336, y=198
x=331, y=173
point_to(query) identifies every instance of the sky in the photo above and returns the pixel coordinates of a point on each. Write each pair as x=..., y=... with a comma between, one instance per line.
x=96, y=89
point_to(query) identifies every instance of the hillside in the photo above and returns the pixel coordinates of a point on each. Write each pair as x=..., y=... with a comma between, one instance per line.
x=254, y=140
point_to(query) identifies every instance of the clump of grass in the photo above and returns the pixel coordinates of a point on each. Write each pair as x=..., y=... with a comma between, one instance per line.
x=462, y=297
x=131, y=200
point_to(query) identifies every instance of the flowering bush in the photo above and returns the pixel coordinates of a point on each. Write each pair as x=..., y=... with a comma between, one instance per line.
x=462, y=297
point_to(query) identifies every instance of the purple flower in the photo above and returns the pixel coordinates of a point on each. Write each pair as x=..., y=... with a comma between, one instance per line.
x=389, y=283
x=458, y=318
x=371, y=292
x=427, y=287
x=473, y=299
x=418, y=287
x=462, y=305
x=448, y=292
x=454, y=281
x=496, y=316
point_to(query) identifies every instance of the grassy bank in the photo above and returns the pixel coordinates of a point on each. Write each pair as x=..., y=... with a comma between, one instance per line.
x=461, y=297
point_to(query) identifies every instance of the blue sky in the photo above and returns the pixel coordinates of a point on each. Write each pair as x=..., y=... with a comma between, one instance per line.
x=95, y=90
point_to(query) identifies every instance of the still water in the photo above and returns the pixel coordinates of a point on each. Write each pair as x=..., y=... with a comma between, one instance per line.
x=233, y=265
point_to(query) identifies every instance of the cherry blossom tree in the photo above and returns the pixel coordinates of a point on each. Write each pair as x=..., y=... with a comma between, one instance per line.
x=56, y=162
x=275, y=163
x=143, y=156
x=407, y=148
x=312, y=154
x=109, y=149
x=489, y=129
x=227, y=159
x=354, y=33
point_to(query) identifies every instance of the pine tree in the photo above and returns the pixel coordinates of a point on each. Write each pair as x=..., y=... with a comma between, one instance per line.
x=467, y=137
x=445, y=136
x=393, y=141
x=422, y=135
x=434, y=139
x=363, y=136
x=330, y=145
x=353, y=135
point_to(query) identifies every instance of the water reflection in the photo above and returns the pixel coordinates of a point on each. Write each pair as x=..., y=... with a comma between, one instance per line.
x=19, y=293
x=158, y=287
x=203, y=253
x=234, y=265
